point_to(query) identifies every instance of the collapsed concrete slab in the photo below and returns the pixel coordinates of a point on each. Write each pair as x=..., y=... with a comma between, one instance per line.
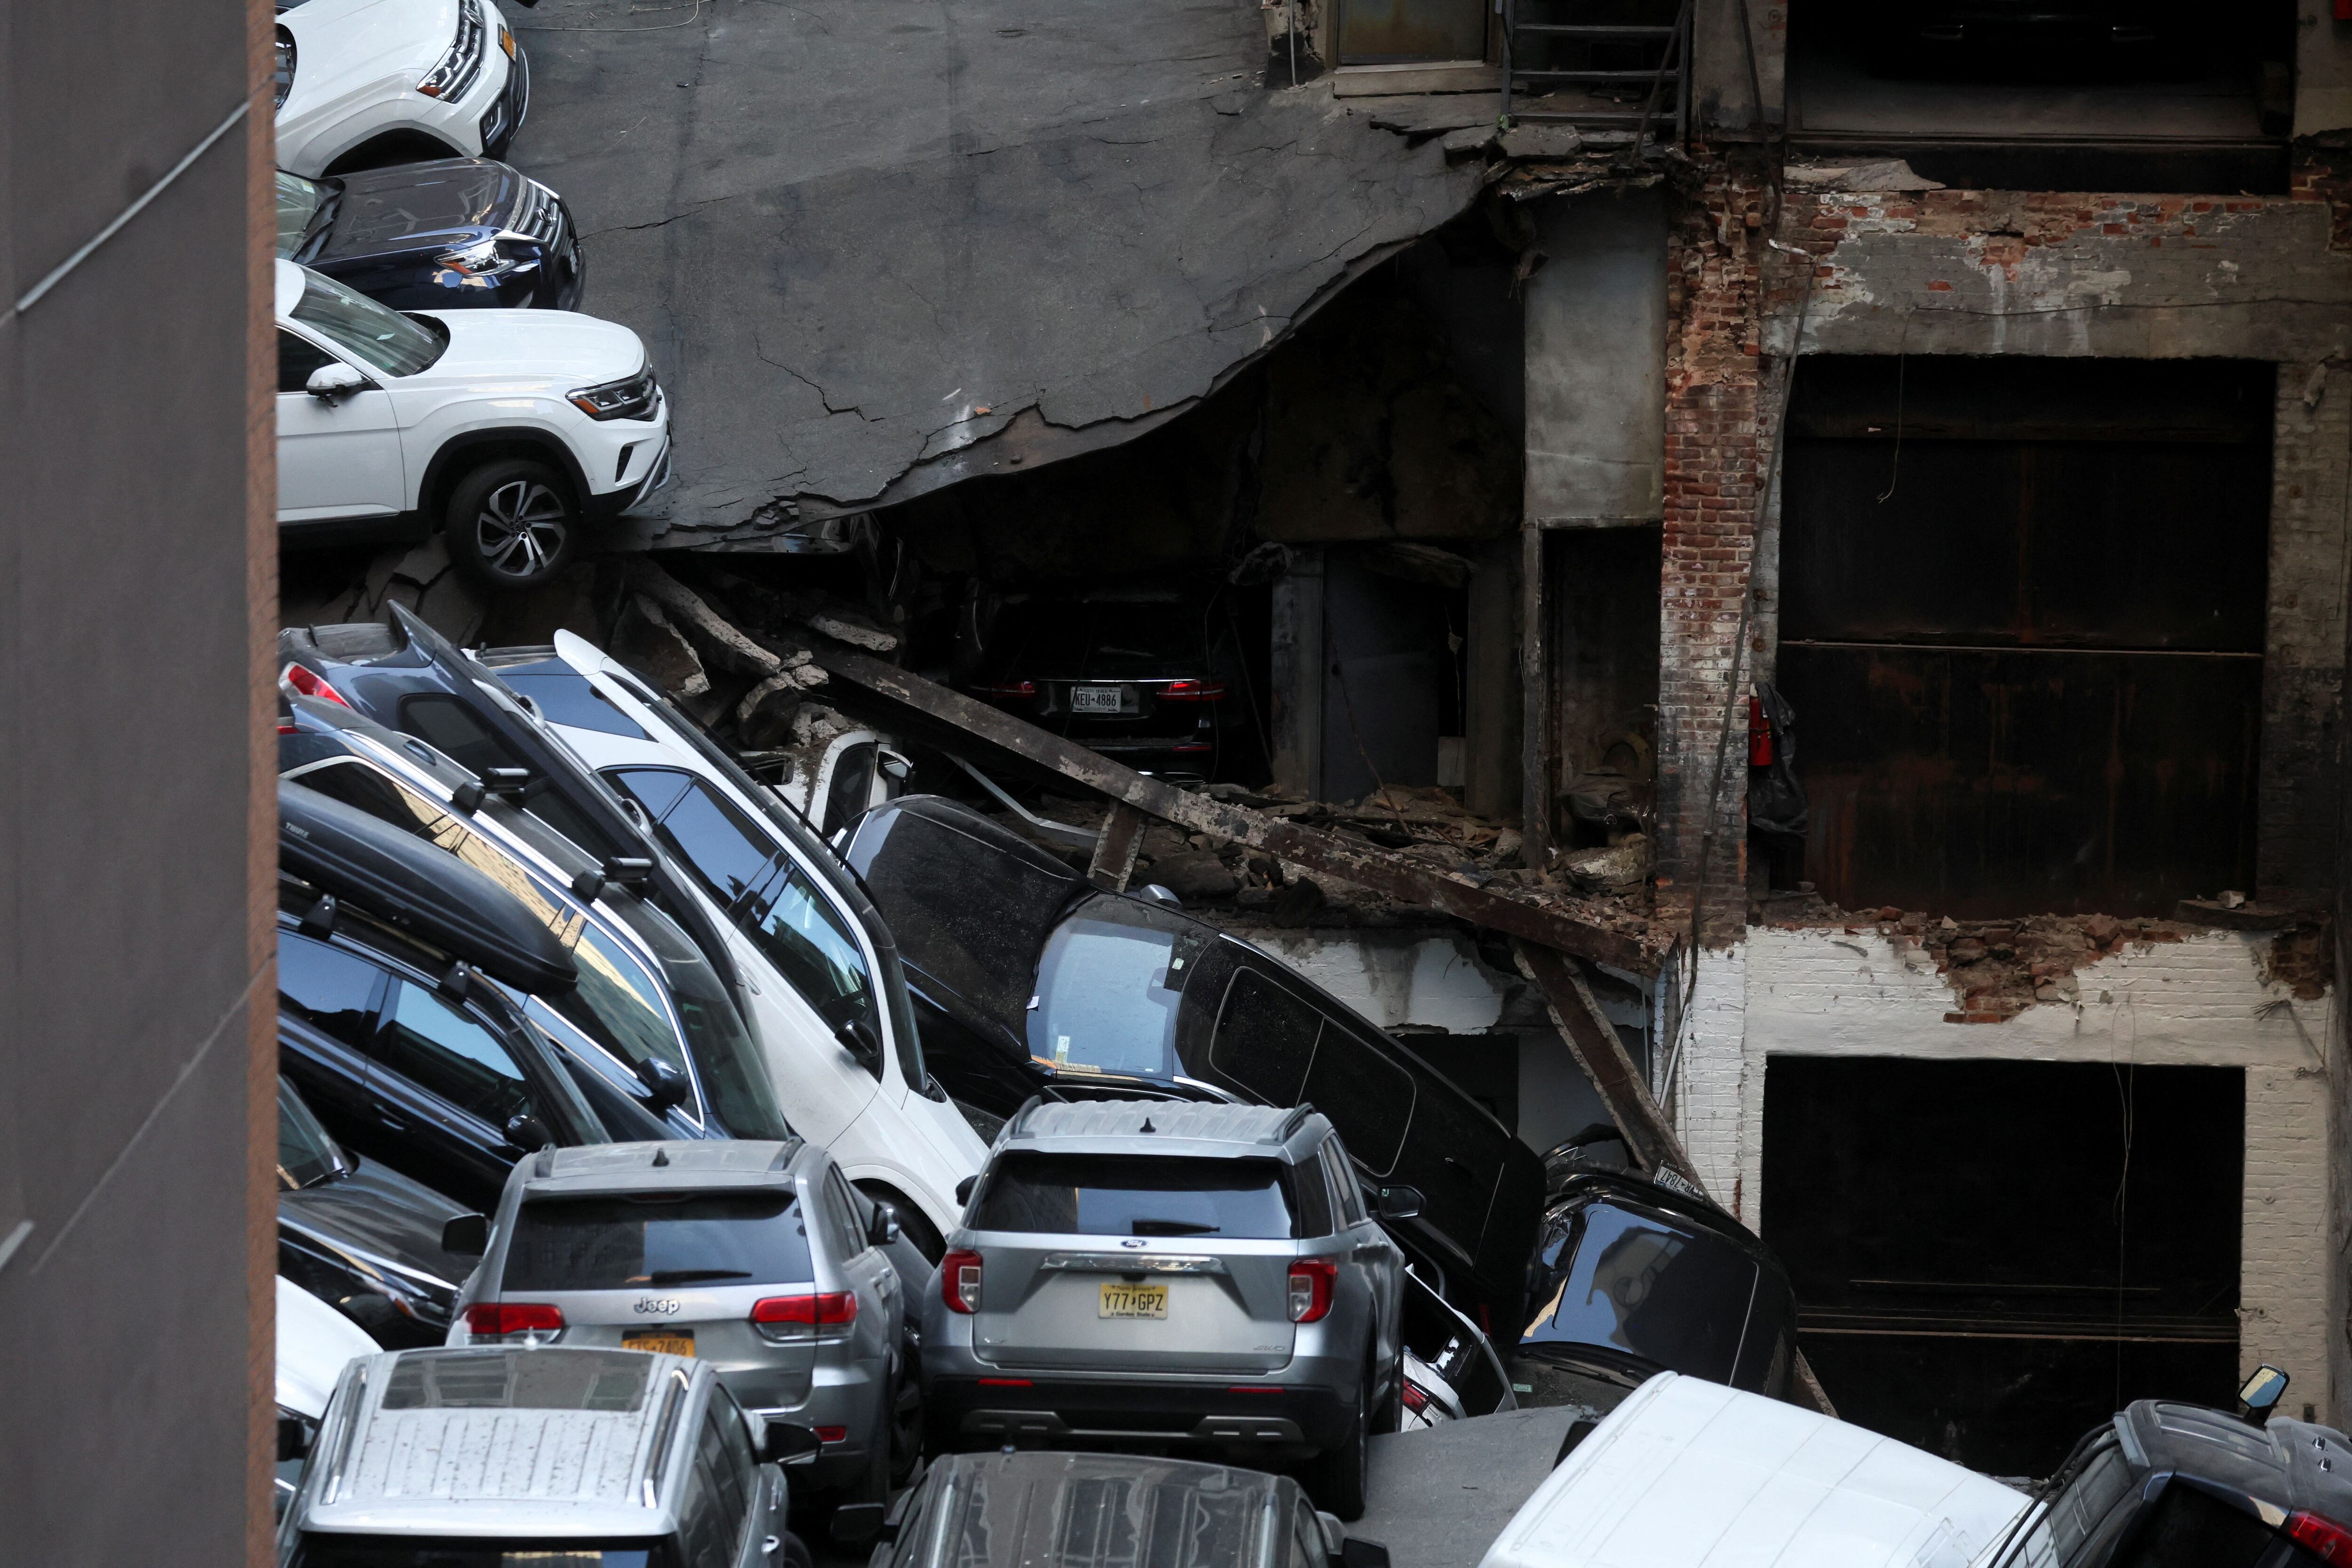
x=875, y=248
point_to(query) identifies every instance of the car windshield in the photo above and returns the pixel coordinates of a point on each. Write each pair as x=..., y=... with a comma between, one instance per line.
x=657, y=1238
x=299, y=202
x=1136, y=1195
x=969, y=914
x=1109, y=988
x=306, y=1154
x=318, y=1550
x=384, y=339
x=1670, y=1292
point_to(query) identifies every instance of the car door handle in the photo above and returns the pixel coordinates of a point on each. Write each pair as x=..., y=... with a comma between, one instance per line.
x=1368, y=1251
x=390, y=1122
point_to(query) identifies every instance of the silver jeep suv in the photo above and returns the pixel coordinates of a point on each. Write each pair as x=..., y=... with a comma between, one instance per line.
x=1157, y=1274
x=754, y=1257
x=591, y=1458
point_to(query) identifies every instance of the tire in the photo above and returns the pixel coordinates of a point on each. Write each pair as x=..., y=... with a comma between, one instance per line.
x=905, y=1424
x=1339, y=1477
x=1390, y=1417
x=795, y=1552
x=512, y=523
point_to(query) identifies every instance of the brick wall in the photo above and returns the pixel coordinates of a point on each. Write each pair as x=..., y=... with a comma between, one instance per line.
x=2303, y=673
x=1713, y=391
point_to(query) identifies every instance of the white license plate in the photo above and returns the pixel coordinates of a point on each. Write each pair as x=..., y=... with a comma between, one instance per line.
x=1094, y=699
x=1133, y=1302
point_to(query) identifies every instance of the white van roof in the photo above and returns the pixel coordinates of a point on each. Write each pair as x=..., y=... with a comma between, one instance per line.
x=1689, y=1474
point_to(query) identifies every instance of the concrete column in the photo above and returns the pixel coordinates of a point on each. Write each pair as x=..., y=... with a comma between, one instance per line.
x=1492, y=721
x=1297, y=676
x=2304, y=646
x=1596, y=362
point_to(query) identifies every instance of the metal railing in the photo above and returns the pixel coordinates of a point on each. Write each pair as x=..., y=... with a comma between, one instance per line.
x=1669, y=76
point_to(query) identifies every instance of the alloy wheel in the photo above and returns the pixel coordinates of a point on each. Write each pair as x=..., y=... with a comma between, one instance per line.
x=522, y=525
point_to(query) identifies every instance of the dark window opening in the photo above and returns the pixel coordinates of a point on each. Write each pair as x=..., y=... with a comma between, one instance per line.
x=1991, y=1258
x=2098, y=95
x=2023, y=616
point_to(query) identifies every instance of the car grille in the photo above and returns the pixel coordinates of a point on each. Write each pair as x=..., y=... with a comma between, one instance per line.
x=539, y=215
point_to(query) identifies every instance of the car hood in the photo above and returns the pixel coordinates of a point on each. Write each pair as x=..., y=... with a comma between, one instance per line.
x=378, y=1211
x=341, y=45
x=314, y=1344
x=531, y=345
x=1687, y=1474
x=420, y=206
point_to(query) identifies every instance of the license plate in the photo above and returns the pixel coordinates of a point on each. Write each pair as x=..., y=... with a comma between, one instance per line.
x=1094, y=699
x=1134, y=1302
x=661, y=1342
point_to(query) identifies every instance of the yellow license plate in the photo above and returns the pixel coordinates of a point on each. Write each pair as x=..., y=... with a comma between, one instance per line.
x=661, y=1342
x=1133, y=1302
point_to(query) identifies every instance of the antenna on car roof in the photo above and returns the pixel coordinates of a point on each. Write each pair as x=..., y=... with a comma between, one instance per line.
x=1147, y=1126
x=661, y=1156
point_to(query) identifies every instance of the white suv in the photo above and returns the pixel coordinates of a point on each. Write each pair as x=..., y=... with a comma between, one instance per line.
x=507, y=429
x=365, y=83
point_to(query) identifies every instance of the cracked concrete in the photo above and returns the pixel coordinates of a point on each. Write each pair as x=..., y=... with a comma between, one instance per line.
x=991, y=232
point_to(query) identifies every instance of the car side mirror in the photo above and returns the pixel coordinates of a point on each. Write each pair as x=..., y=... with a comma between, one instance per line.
x=963, y=1190
x=855, y=1523
x=330, y=383
x=665, y=1085
x=525, y=1131
x=293, y=1437
x=883, y=1229
x=859, y=1038
x=782, y=1442
x=2260, y=1394
x=1399, y=1202
x=467, y=1235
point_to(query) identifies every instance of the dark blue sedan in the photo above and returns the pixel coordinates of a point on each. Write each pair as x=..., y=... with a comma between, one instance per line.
x=449, y=235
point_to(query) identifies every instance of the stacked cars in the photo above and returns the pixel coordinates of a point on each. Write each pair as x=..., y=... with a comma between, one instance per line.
x=413, y=398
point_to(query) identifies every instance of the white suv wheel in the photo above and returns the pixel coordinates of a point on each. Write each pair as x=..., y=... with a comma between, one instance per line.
x=511, y=524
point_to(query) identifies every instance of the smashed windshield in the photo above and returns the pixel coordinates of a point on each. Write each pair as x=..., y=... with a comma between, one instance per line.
x=1674, y=1295
x=1109, y=988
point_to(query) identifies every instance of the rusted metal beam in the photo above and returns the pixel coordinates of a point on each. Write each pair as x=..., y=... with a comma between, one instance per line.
x=1589, y=931
x=1115, y=847
x=1592, y=1039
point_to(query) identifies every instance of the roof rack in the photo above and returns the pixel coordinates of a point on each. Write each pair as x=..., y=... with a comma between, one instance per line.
x=1292, y=1123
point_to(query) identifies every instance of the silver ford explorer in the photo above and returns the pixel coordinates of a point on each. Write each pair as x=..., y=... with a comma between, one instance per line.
x=1143, y=1273
x=589, y=1459
x=754, y=1257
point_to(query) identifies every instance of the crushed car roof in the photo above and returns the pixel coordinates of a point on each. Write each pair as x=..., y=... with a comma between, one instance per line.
x=564, y=1439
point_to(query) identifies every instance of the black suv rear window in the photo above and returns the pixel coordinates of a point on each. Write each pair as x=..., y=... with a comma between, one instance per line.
x=634, y=1243
x=1138, y=1194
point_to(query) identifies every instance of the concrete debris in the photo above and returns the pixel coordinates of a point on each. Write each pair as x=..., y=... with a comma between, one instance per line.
x=1998, y=968
x=646, y=639
x=1537, y=142
x=1884, y=174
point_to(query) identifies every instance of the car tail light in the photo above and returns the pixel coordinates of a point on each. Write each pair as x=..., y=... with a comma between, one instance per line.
x=960, y=1281
x=2323, y=1538
x=833, y=1434
x=826, y=1309
x=1006, y=1383
x=1310, y=1288
x=1192, y=692
x=513, y=1317
x=1416, y=1398
x=1009, y=689
x=308, y=682
x=1194, y=746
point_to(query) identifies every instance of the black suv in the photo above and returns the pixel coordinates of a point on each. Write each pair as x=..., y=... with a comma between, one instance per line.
x=444, y=235
x=1029, y=979
x=2164, y=1485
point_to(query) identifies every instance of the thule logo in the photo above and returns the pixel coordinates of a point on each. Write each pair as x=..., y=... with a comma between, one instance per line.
x=655, y=1306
